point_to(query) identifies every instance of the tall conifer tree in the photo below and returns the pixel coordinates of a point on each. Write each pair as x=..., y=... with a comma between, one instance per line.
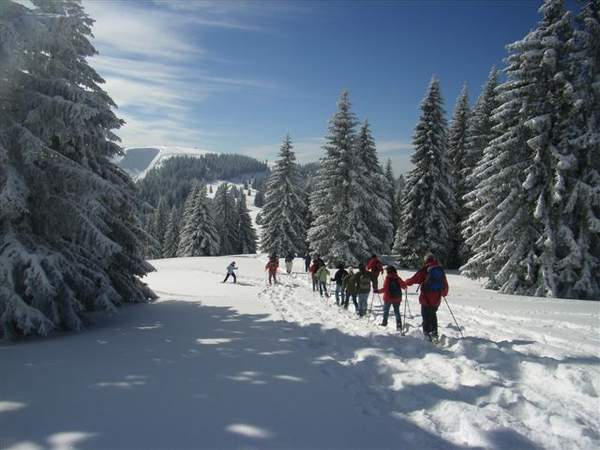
x=426, y=221
x=284, y=213
x=56, y=146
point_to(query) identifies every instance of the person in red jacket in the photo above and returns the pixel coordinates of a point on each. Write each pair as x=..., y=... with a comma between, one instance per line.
x=313, y=274
x=392, y=296
x=272, y=267
x=374, y=266
x=433, y=286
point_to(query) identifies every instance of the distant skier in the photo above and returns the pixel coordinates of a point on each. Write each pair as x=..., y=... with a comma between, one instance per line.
x=313, y=275
x=433, y=286
x=306, y=262
x=272, y=267
x=363, y=288
x=339, y=277
x=231, y=268
x=392, y=296
x=289, y=262
x=351, y=289
x=323, y=278
x=375, y=266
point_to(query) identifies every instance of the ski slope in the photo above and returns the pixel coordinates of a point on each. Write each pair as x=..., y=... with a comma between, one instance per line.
x=248, y=366
x=138, y=161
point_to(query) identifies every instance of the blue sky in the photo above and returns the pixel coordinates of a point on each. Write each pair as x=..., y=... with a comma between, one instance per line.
x=237, y=76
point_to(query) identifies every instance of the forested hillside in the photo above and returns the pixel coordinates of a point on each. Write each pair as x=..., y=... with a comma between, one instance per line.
x=174, y=178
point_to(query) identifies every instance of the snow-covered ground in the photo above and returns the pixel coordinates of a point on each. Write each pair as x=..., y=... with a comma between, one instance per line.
x=250, y=366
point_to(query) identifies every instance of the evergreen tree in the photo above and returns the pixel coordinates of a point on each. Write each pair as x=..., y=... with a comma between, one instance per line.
x=426, y=220
x=457, y=135
x=524, y=219
x=199, y=236
x=379, y=189
x=160, y=224
x=338, y=229
x=284, y=213
x=171, y=243
x=259, y=199
x=577, y=160
x=480, y=133
x=56, y=146
x=246, y=232
x=226, y=220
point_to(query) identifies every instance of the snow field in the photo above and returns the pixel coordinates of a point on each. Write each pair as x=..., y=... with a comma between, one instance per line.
x=213, y=365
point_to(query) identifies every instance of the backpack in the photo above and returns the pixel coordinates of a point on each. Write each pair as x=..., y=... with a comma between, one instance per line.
x=364, y=282
x=434, y=280
x=394, y=287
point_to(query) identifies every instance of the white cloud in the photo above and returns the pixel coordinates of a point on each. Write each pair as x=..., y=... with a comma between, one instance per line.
x=150, y=65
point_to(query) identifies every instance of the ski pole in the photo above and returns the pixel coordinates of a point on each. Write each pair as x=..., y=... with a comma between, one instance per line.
x=457, y=325
x=405, y=303
x=371, y=307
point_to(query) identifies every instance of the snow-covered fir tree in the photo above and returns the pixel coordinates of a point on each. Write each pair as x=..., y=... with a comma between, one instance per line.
x=457, y=134
x=429, y=198
x=522, y=184
x=160, y=222
x=246, y=232
x=392, y=184
x=479, y=135
x=199, y=236
x=259, y=199
x=56, y=145
x=577, y=179
x=226, y=220
x=338, y=230
x=284, y=214
x=171, y=243
x=379, y=189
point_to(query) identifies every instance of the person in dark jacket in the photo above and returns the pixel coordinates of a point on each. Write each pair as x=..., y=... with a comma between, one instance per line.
x=339, y=276
x=350, y=289
x=306, y=262
x=392, y=296
x=289, y=262
x=433, y=286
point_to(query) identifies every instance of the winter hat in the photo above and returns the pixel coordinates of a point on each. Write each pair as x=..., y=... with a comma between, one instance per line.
x=391, y=269
x=429, y=257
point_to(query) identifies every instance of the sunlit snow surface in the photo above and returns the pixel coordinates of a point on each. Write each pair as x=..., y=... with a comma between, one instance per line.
x=213, y=365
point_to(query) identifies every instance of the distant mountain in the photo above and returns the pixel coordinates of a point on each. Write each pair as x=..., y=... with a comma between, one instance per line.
x=139, y=160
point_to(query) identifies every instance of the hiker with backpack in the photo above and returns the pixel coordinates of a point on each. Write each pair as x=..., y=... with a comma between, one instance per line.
x=339, y=277
x=351, y=289
x=231, y=268
x=306, y=262
x=375, y=267
x=272, y=267
x=363, y=288
x=392, y=296
x=289, y=262
x=433, y=286
x=323, y=277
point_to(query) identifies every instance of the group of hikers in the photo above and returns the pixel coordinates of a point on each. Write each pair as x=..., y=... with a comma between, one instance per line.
x=358, y=285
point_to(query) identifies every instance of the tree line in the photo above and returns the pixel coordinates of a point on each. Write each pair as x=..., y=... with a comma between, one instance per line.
x=509, y=191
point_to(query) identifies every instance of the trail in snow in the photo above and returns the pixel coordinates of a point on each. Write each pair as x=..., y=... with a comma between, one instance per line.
x=252, y=366
x=510, y=373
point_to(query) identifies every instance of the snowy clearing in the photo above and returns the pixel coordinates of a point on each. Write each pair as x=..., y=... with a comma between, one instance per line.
x=249, y=366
